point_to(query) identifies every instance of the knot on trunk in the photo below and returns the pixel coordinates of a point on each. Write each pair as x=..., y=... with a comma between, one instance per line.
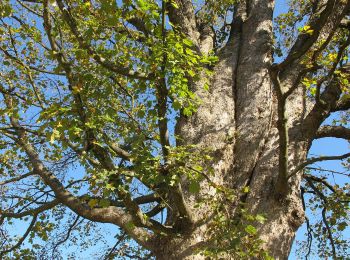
x=297, y=218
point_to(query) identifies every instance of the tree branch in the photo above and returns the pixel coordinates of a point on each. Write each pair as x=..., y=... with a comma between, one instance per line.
x=31, y=212
x=110, y=254
x=20, y=62
x=104, y=215
x=330, y=236
x=317, y=159
x=115, y=67
x=184, y=18
x=333, y=131
x=342, y=105
x=18, y=178
x=324, y=217
x=308, y=227
x=322, y=109
x=320, y=180
x=67, y=235
x=305, y=40
x=327, y=170
x=21, y=240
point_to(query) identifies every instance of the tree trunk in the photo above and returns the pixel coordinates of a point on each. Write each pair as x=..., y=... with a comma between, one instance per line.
x=238, y=122
x=245, y=147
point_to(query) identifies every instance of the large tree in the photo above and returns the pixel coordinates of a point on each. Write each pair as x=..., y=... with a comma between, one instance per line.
x=198, y=112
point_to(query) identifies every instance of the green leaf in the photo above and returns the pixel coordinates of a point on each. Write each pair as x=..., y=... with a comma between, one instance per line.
x=104, y=203
x=194, y=187
x=55, y=134
x=187, y=42
x=260, y=218
x=176, y=105
x=174, y=4
x=342, y=226
x=130, y=225
x=250, y=230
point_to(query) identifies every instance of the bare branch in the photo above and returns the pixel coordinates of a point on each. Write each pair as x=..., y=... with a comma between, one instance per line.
x=327, y=170
x=330, y=236
x=18, y=178
x=110, y=254
x=324, y=217
x=333, y=131
x=153, y=197
x=31, y=212
x=317, y=159
x=308, y=227
x=70, y=229
x=320, y=180
x=154, y=211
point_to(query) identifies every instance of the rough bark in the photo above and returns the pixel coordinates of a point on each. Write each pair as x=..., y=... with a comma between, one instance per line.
x=238, y=120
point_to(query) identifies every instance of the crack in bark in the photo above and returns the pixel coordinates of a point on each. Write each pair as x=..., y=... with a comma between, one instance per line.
x=262, y=149
x=237, y=30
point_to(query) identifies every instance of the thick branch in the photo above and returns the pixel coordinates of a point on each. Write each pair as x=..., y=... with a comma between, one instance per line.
x=306, y=40
x=146, y=199
x=293, y=68
x=333, y=131
x=184, y=18
x=345, y=23
x=119, y=151
x=162, y=95
x=342, y=105
x=322, y=109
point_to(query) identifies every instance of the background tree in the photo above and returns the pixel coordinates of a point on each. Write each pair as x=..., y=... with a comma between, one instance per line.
x=201, y=113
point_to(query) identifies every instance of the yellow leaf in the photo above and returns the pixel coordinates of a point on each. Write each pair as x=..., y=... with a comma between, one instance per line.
x=92, y=203
x=54, y=136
